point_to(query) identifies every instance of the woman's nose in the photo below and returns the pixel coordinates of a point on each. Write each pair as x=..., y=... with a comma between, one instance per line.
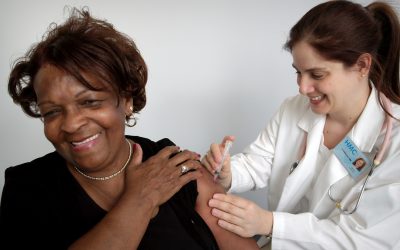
x=72, y=120
x=306, y=86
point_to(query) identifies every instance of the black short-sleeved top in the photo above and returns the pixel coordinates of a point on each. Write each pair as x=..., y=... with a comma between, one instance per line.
x=44, y=207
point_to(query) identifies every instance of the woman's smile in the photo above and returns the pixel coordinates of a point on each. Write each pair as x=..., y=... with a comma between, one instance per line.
x=315, y=100
x=86, y=144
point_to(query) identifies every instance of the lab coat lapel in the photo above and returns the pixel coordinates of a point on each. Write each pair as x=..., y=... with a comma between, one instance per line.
x=298, y=182
x=364, y=134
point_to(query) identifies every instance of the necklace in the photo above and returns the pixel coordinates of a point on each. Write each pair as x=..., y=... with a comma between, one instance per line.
x=110, y=176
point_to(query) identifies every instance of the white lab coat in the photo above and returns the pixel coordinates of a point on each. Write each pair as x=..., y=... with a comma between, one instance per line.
x=300, y=223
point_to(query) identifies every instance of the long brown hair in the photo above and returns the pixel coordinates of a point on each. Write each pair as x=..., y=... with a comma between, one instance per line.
x=343, y=30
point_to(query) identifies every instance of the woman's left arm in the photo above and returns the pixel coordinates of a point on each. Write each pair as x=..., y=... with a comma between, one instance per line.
x=206, y=188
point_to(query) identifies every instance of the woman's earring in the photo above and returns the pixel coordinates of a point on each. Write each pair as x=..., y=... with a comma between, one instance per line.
x=130, y=119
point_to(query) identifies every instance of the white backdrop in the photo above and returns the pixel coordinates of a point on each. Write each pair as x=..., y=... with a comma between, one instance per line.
x=216, y=67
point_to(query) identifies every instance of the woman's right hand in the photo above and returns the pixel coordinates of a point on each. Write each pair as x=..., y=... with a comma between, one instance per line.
x=157, y=179
x=147, y=185
x=212, y=161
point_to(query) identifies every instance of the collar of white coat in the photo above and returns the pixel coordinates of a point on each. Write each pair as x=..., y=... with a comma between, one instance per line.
x=366, y=130
x=364, y=134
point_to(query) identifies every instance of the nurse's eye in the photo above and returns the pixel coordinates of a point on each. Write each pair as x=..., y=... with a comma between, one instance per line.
x=298, y=74
x=317, y=76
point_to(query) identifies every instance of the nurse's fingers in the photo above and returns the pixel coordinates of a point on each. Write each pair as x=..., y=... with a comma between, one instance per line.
x=216, y=154
x=230, y=218
x=213, y=157
x=232, y=228
x=208, y=162
x=228, y=138
x=232, y=199
x=249, y=218
x=227, y=211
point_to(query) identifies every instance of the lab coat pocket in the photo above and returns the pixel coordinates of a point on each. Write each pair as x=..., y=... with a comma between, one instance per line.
x=379, y=204
x=294, y=188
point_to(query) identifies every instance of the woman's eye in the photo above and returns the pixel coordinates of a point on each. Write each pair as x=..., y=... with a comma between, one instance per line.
x=50, y=114
x=91, y=103
x=317, y=76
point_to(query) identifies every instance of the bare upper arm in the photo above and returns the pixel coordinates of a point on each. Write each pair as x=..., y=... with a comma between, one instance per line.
x=206, y=187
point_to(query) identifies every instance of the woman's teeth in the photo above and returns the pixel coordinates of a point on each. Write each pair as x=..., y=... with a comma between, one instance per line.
x=86, y=140
x=316, y=98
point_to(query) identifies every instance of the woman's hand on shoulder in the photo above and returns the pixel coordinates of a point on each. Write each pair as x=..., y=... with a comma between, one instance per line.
x=157, y=179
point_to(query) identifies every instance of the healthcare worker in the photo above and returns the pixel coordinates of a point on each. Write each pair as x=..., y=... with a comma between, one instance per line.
x=346, y=58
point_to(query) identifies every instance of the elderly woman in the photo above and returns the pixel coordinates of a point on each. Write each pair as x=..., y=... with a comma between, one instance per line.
x=100, y=189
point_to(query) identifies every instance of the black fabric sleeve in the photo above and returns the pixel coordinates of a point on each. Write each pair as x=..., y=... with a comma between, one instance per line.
x=184, y=203
x=24, y=212
x=182, y=207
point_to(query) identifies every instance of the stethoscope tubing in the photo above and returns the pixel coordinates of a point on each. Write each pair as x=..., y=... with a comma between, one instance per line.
x=388, y=123
x=377, y=160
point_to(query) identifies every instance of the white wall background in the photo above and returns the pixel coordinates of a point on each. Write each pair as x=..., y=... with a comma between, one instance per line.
x=216, y=67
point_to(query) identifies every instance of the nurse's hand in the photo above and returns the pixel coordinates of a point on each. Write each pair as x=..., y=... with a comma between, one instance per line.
x=240, y=216
x=213, y=159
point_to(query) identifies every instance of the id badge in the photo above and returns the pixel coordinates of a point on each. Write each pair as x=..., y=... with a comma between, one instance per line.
x=353, y=160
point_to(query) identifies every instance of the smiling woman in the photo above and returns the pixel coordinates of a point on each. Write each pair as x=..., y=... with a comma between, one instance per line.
x=101, y=189
x=67, y=107
x=346, y=58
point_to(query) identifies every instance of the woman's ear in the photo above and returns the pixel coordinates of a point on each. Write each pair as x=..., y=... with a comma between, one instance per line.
x=128, y=105
x=364, y=64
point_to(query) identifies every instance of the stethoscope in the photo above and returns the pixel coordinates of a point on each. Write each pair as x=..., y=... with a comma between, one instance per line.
x=376, y=162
